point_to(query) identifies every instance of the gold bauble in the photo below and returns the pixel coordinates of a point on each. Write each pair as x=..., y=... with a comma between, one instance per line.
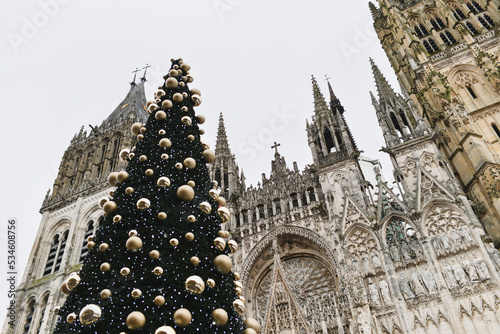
x=195, y=284
x=140, y=137
x=189, y=78
x=239, y=306
x=71, y=317
x=184, y=95
x=165, y=330
x=135, y=128
x=103, y=201
x=237, y=276
x=124, y=154
x=201, y=131
x=191, y=218
x=56, y=310
x=64, y=288
x=178, y=165
x=131, y=156
x=195, y=91
x=239, y=291
x=184, y=108
x=134, y=244
x=185, y=67
x=136, y=293
x=187, y=120
x=73, y=280
x=249, y=331
x=163, y=181
x=220, y=316
x=159, y=300
x=161, y=132
x=182, y=84
x=154, y=254
x=209, y=156
x=90, y=238
x=149, y=172
x=160, y=93
x=160, y=115
x=136, y=320
x=252, y=324
x=90, y=245
x=173, y=73
x=210, y=283
x=190, y=163
x=224, y=214
x=103, y=247
x=122, y=176
x=124, y=271
x=191, y=184
x=167, y=104
x=162, y=216
x=129, y=190
x=189, y=236
x=171, y=83
x=205, y=207
x=182, y=317
x=112, y=179
x=220, y=243
x=105, y=267
x=143, y=203
x=213, y=193
x=117, y=218
x=90, y=314
x=165, y=143
x=221, y=201
x=227, y=234
x=197, y=100
x=178, y=97
x=111, y=193
x=158, y=271
x=200, y=119
x=221, y=234
x=185, y=193
x=164, y=156
x=233, y=245
x=132, y=233
x=109, y=207
x=143, y=158
x=152, y=108
x=194, y=260
x=106, y=293
x=206, y=146
x=190, y=138
x=174, y=242
x=223, y=263
x=143, y=129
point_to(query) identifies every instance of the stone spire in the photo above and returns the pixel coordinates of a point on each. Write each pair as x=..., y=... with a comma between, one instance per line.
x=221, y=144
x=134, y=103
x=385, y=91
x=320, y=106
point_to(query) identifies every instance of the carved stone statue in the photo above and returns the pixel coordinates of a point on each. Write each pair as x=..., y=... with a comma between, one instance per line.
x=481, y=267
x=376, y=261
x=384, y=290
x=415, y=247
x=405, y=250
x=457, y=240
x=365, y=263
x=445, y=241
x=374, y=296
x=495, y=255
x=469, y=268
x=364, y=321
x=466, y=236
x=429, y=281
x=459, y=273
x=404, y=287
x=448, y=275
x=395, y=254
x=436, y=243
x=415, y=283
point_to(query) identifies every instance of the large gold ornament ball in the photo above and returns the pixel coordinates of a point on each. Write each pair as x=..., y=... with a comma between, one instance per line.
x=117, y=218
x=135, y=128
x=239, y=306
x=253, y=324
x=189, y=236
x=209, y=156
x=190, y=163
x=143, y=158
x=152, y=108
x=164, y=156
x=140, y=137
x=112, y=179
x=220, y=243
x=185, y=193
x=90, y=314
x=124, y=154
x=197, y=99
x=194, y=260
x=195, y=284
x=149, y=172
x=221, y=201
x=136, y=320
x=191, y=218
x=103, y=201
x=173, y=73
x=224, y=214
x=213, y=193
x=249, y=331
x=105, y=267
x=195, y=91
x=134, y=244
x=167, y=104
x=122, y=176
x=185, y=67
x=71, y=317
x=190, y=137
x=132, y=233
x=136, y=293
x=191, y=183
x=110, y=207
x=129, y=190
x=174, y=242
x=210, y=283
x=233, y=245
x=205, y=207
x=182, y=317
x=201, y=119
x=90, y=245
x=106, y=293
x=165, y=143
x=124, y=271
x=73, y=280
x=103, y=247
x=143, y=203
x=163, y=181
x=159, y=300
x=219, y=316
x=160, y=115
x=178, y=97
x=154, y=254
x=223, y=263
x=158, y=271
x=171, y=83
x=64, y=288
x=165, y=330
x=162, y=216
x=237, y=276
x=187, y=120
x=56, y=310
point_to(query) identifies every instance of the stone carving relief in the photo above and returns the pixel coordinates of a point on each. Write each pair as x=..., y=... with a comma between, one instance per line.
x=403, y=243
x=363, y=252
x=430, y=190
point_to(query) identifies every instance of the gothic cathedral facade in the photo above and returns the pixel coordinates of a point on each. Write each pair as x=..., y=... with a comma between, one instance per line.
x=330, y=249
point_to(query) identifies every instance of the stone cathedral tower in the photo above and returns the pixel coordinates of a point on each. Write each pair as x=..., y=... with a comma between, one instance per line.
x=446, y=56
x=70, y=213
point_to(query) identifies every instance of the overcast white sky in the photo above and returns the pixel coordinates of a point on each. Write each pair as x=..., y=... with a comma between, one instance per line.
x=67, y=63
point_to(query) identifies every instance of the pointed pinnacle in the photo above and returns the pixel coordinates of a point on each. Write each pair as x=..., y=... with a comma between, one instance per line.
x=384, y=89
x=319, y=100
x=221, y=143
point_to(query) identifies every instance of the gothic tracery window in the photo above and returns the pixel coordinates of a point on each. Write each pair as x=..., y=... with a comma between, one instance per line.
x=457, y=11
x=88, y=232
x=472, y=29
x=403, y=243
x=447, y=38
x=486, y=21
x=430, y=45
x=474, y=7
x=29, y=317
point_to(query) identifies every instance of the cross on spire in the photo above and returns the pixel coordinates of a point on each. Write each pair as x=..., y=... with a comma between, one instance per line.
x=327, y=78
x=145, y=68
x=275, y=146
x=135, y=75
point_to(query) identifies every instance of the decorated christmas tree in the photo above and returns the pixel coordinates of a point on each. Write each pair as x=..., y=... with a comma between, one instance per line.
x=159, y=261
